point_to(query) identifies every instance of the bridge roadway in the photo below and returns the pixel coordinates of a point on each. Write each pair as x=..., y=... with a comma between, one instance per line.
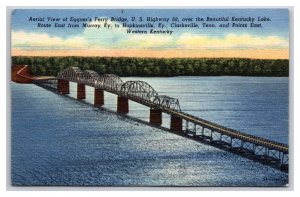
x=221, y=129
x=143, y=93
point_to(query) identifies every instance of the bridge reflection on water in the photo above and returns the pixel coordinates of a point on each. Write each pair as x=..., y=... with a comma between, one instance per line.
x=263, y=150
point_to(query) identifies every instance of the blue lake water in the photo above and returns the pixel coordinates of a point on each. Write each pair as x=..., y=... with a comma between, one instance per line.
x=60, y=142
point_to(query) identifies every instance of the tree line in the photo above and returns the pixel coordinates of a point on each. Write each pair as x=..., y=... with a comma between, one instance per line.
x=158, y=67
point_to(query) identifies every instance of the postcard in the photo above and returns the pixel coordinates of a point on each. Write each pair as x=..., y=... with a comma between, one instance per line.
x=140, y=97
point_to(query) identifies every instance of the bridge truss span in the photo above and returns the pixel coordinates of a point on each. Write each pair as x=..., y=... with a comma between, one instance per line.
x=73, y=74
x=89, y=77
x=139, y=89
x=168, y=102
x=109, y=82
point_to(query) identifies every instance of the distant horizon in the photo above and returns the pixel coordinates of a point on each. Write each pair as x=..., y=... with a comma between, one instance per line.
x=148, y=57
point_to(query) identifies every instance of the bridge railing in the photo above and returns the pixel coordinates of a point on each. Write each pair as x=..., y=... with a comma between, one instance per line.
x=239, y=134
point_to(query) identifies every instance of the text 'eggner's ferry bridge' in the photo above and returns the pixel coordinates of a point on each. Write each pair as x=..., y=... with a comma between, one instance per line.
x=266, y=151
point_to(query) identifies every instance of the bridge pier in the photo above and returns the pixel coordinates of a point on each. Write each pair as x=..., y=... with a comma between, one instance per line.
x=176, y=123
x=155, y=116
x=63, y=86
x=122, y=105
x=80, y=91
x=98, y=97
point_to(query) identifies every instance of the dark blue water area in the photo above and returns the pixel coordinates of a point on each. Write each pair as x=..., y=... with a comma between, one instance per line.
x=57, y=141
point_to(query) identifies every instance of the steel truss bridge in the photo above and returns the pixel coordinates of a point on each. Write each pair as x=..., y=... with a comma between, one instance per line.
x=263, y=150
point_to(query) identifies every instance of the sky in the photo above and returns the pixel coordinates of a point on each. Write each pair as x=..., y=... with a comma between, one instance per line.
x=270, y=41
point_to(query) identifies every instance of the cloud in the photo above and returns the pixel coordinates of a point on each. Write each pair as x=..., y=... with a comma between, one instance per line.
x=21, y=39
x=91, y=37
x=104, y=37
x=230, y=41
x=118, y=38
